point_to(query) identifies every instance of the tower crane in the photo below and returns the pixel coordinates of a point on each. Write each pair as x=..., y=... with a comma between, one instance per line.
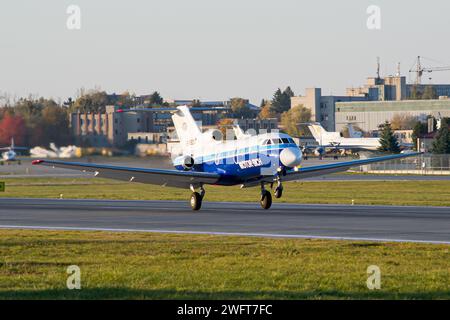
x=418, y=69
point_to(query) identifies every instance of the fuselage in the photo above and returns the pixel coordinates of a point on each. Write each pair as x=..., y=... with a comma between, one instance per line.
x=363, y=143
x=243, y=160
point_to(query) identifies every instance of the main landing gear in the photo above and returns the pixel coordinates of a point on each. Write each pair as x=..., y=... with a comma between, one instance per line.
x=197, y=198
x=265, y=201
x=266, y=197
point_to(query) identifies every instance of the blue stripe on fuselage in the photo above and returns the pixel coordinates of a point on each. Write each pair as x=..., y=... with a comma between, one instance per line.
x=227, y=163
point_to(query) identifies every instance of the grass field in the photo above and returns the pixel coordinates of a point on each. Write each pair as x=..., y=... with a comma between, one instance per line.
x=427, y=193
x=154, y=266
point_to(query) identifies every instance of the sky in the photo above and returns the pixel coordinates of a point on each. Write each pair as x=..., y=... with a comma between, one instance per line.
x=214, y=50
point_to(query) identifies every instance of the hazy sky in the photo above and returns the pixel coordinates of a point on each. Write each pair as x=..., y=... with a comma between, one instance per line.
x=212, y=49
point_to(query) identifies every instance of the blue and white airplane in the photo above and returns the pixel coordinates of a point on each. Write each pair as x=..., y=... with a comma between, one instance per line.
x=260, y=160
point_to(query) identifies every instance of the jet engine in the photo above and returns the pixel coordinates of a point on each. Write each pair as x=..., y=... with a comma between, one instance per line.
x=214, y=134
x=188, y=162
x=319, y=151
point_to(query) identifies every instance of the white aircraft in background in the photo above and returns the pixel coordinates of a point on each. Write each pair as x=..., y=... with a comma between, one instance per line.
x=327, y=139
x=261, y=160
x=10, y=155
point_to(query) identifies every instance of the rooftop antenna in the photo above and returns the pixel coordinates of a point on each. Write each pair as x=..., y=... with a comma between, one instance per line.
x=398, y=70
x=378, y=67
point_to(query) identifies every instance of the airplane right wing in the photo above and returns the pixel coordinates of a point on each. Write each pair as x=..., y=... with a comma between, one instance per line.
x=162, y=177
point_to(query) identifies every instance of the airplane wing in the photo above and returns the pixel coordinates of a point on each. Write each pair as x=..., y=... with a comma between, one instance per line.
x=324, y=169
x=162, y=177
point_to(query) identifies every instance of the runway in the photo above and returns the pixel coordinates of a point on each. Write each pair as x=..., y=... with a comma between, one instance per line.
x=373, y=223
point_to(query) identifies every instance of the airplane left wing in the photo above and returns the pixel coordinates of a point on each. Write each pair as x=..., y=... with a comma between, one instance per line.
x=162, y=177
x=321, y=170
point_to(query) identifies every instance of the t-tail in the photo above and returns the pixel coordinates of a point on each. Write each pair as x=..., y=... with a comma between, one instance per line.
x=188, y=131
x=322, y=136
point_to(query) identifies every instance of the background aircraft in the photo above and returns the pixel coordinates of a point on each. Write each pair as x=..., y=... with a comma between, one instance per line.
x=252, y=160
x=10, y=155
x=335, y=140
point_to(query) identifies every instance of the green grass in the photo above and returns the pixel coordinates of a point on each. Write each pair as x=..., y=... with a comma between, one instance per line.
x=427, y=193
x=158, y=266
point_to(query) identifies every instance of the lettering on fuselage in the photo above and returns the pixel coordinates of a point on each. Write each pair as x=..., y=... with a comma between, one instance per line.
x=252, y=163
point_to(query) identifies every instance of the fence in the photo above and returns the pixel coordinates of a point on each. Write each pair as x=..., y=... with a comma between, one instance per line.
x=426, y=164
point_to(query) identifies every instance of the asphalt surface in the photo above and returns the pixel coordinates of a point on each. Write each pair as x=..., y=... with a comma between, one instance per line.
x=374, y=223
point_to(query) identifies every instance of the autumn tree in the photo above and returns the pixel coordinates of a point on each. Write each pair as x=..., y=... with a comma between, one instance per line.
x=403, y=122
x=12, y=126
x=291, y=120
x=93, y=101
x=240, y=108
x=55, y=125
x=267, y=111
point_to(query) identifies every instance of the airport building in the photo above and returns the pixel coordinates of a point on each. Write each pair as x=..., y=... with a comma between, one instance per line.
x=369, y=115
x=322, y=107
x=114, y=128
x=375, y=102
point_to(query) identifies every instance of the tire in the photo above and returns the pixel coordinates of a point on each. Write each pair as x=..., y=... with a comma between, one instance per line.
x=196, y=201
x=266, y=200
x=278, y=192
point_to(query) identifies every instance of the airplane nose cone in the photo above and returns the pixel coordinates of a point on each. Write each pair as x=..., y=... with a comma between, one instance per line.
x=291, y=157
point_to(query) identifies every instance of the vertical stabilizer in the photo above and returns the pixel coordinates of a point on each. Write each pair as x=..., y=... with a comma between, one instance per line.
x=317, y=131
x=187, y=129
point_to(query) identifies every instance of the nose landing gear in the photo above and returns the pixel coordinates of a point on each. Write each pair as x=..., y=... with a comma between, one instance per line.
x=278, y=192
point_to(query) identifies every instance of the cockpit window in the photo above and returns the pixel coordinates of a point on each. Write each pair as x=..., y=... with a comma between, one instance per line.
x=291, y=140
x=267, y=142
x=277, y=141
x=285, y=140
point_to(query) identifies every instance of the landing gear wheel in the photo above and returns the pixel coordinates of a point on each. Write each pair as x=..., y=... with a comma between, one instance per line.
x=278, y=192
x=196, y=201
x=266, y=200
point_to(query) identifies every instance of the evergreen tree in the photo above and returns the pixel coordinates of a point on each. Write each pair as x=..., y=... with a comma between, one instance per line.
x=288, y=92
x=388, y=141
x=155, y=99
x=277, y=101
x=281, y=101
x=441, y=143
x=263, y=103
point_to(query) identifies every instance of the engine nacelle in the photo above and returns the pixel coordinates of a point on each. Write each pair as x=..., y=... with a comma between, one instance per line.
x=188, y=163
x=319, y=151
x=214, y=134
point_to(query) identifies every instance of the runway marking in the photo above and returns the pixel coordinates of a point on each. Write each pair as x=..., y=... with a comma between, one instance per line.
x=264, y=235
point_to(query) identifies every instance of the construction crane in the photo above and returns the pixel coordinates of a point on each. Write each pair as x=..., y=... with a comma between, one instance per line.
x=418, y=69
